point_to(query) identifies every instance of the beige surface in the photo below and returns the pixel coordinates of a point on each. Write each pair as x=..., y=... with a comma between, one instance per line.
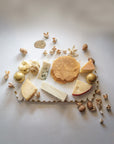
x=22, y=22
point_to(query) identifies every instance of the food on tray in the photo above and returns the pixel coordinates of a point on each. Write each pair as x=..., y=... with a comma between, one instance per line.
x=40, y=44
x=44, y=70
x=91, y=78
x=88, y=67
x=19, y=77
x=81, y=88
x=23, y=51
x=85, y=47
x=46, y=35
x=65, y=69
x=53, y=91
x=28, y=89
x=34, y=68
x=24, y=67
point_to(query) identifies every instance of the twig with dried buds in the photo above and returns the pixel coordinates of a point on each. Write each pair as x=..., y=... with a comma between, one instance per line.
x=105, y=96
x=93, y=109
x=72, y=51
x=11, y=85
x=54, y=40
x=108, y=107
x=54, y=48
x=58, y=51
x=51, y=52
x=99, y=103
x=6, y=76
x=46, y=35
x=90, y=106
x=101, y=121
x=101, y=112
x=45, y=53
x=65, y=51
x=36, y=97
x=98, y=92
x=37, y=94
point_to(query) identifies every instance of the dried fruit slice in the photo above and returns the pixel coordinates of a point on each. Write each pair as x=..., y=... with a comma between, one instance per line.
x=28, y=89
x=88, y=67
x=81, y=88
x=40, y=44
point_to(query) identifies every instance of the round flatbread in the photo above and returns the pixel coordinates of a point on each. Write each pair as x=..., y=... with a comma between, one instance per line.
x=65, y=68
x=59, y=80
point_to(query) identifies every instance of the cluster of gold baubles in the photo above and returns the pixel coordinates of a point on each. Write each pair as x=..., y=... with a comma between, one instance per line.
x=25, y=68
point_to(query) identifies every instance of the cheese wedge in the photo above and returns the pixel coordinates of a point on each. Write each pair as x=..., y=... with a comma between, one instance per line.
x=81, y=88
x=53, y=91
x=88, y=67
x=44, y=70
x=28, y=89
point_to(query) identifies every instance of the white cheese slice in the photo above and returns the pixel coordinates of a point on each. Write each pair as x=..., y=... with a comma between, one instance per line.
x=44, y=70
x=28, y=89
x=53, y=91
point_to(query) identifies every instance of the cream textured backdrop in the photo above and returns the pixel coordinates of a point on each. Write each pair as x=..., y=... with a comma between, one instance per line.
x=76, y=22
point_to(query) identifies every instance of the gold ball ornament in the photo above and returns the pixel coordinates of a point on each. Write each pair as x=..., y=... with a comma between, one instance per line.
x=19, y=77
x=91, y=78
x=24, y=67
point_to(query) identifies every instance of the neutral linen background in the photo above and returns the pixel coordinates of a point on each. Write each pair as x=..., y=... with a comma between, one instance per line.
x=76, y=22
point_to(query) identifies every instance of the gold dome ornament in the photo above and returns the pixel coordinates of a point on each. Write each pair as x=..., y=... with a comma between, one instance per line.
x=19, y=77
x=91, y=78
x=24, y=67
